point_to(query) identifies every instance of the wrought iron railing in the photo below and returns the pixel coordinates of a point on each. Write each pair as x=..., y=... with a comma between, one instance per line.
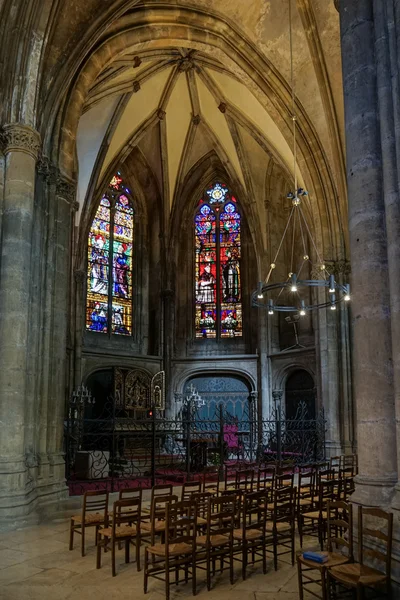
x=112, y=451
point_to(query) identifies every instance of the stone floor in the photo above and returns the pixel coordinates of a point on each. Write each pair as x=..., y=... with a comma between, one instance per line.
x=35, y=564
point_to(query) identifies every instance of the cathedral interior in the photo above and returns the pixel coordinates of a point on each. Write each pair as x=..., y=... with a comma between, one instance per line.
x=148, y=149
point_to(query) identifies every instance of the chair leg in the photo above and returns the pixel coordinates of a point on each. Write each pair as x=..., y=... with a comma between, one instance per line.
x=275, y=553
x=96, y=529
x=113, y=557
x=71, y=535
x=194, y=574
x=138, y=553
x=293, y=546
x=98, y=554
x=324, y=584
x=146, y=567
x=127, y=544
x=244, y=561
x=167, y=586
x=360, y=592
x=264, y=555
x=300, y=527
x=231, y=565
x=300, y=580
x=208, y=569
x=83, y=529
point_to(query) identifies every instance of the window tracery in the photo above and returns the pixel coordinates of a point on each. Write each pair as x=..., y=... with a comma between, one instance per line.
x=109, y=273
x=218, y=307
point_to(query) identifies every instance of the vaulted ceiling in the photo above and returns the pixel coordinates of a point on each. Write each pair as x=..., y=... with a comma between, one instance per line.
x=176, y=105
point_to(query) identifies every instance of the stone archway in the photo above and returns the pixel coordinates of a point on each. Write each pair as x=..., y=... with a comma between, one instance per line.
x=300, y=389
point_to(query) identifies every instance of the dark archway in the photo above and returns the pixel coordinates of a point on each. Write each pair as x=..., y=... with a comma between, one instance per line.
x=300, y=388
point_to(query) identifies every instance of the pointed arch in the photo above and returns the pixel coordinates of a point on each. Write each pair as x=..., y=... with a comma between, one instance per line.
x=218, y=293
x=109, y=294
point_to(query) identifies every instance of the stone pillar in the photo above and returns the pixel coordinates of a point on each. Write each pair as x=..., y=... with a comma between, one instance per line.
x=21, y=147
x=64, y=206
x=264, y=367
x=371, y=324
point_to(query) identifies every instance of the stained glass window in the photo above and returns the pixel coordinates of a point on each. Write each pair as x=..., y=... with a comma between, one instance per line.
x=218, y=312
x=109, y=290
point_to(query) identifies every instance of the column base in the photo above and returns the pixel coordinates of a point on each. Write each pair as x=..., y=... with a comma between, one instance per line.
x=374, y=491
x=25, y=494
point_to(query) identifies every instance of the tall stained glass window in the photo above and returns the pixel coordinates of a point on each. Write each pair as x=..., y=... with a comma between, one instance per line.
x=217, y=226
x=109, y=275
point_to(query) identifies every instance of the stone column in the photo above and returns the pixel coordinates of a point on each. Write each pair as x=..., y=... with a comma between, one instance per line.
x=372, y=343
x=64, y=206
x=21, y=147
x=263, y=366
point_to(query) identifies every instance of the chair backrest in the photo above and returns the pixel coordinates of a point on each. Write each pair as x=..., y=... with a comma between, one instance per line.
x=96, y=501
x=306, y=484
x=158, y=510
x=189, y=488
x=202, y=502
x=254, y=511
x=244, y=479
x=210, y=478
x=376, y=525
x=127, y=511
x=221, y=516
x=340, y=526
x=284, y=504
x=162, y=489
x=327, y=492
x=284, y=480
x=181, y=523
x=229, y=475
x=325, y=475
x=349, y=462
x=126, y=493
x=265, y=477
x=335, y=462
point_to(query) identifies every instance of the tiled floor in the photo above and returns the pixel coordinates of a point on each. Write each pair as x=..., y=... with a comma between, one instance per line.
x=35, y=564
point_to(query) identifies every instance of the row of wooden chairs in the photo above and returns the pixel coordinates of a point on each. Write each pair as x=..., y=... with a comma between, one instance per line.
x=207, y=530
x=375, y=530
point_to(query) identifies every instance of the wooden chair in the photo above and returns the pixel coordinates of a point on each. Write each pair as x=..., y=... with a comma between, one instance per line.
x=229, y=476
x=251, y=535
x=210, y=478
x=280, y=531
x=154, y=524
x=284, y=480
x=201, y=499
x=340, y=537
x=314, y=522
x=179, y=550
x=335, y=463
x=217, y=543
x=94, y=514
x=162, y=489
x=359, y=576
x=189, y=488
x=125, y=527
x=305, y=496
x=265, y=478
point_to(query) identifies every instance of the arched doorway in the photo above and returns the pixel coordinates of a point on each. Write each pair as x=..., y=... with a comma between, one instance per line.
x=231, y=392
x=300, y=389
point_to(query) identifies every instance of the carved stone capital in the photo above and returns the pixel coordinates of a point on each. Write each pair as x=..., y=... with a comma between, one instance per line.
x=196, y=119
x=46, y=169
x=339, y=268
x=253, y=396
x=66, y=189
x=161, y=114
x=21, y=138
x=222, y=107
x=178, y=397
x=136, y=86
x=277, y=395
